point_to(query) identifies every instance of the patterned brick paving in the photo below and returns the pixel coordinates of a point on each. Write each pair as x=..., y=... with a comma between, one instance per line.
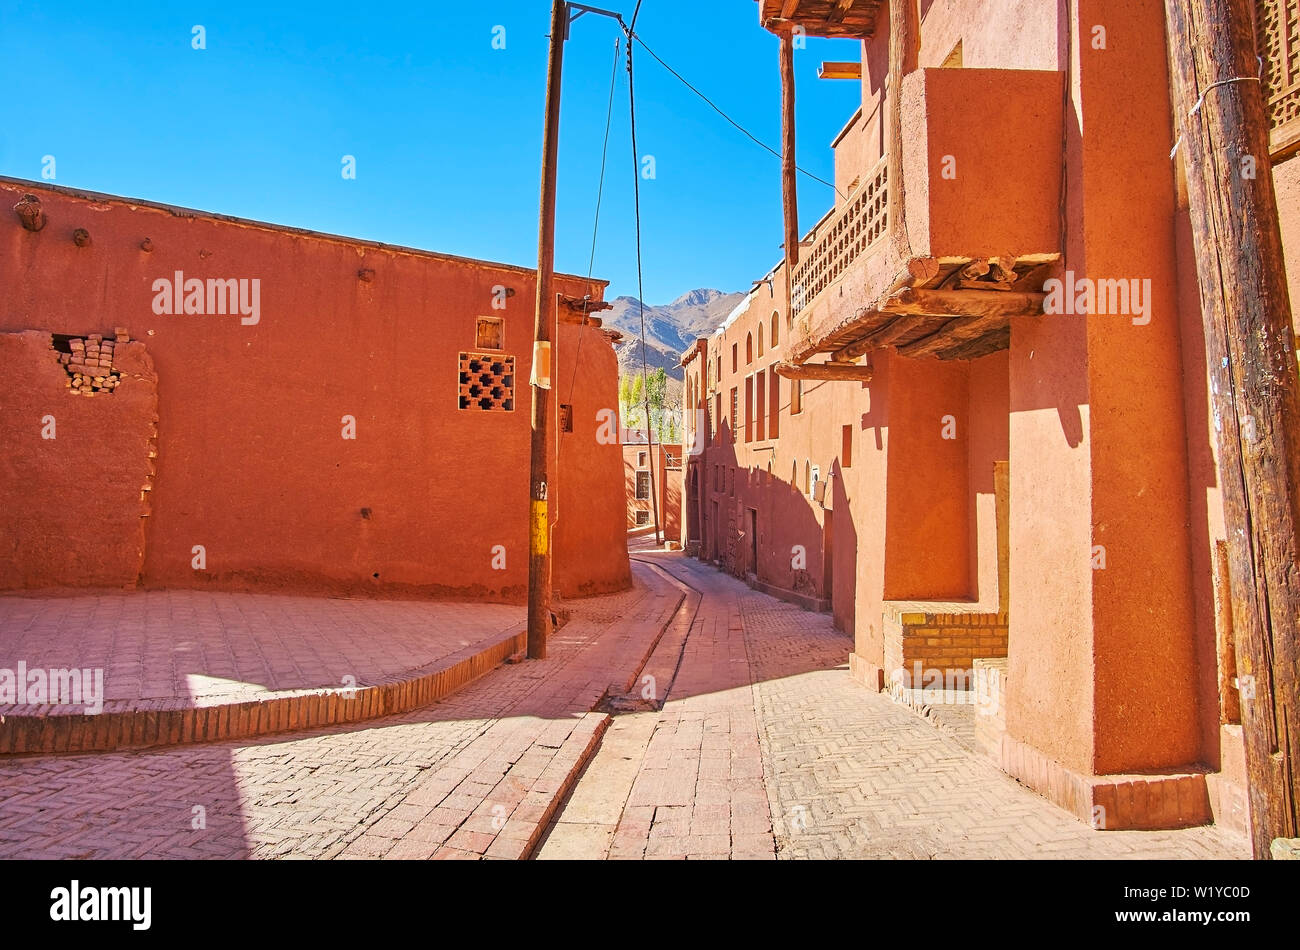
x=184, y=644
x=453, y=779
x=847, y=773
x=764, y=748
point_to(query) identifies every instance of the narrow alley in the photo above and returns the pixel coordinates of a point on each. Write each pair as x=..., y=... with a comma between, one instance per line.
x=764, y=748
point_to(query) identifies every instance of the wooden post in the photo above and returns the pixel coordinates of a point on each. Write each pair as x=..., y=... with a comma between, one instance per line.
x=789, y=182
x=539, y=527
x=1254, y=386
x=789, y=195
x=903, y=56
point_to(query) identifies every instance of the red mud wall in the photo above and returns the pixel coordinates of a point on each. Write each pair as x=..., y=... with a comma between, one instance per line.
x=252, y=460
x=74, y=469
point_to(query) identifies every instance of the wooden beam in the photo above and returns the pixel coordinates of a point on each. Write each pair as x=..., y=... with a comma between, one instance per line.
x=838, y=10
x=566, y=315
x=788, y=8
x=952, y=334
x=903, y=53
x=789, y=197
x=1254, y=387
x=824, y=371
x=896, y=329
x=965, y=303
x=839, y=70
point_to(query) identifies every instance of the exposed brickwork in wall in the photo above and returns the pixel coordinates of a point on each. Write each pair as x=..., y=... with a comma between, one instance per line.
x=76, y=473
x=939, y=637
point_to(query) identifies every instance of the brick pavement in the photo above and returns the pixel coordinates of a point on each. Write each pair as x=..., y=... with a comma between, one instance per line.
x=847, y=773
x=478, y=772
x=192, y=645
x=763, y=748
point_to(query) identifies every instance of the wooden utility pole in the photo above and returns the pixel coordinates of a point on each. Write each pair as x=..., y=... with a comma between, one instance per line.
x=1254, y=386
x=539, y=526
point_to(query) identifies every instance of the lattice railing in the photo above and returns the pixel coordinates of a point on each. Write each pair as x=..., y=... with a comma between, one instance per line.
x=852, y=230
x=1278, y=23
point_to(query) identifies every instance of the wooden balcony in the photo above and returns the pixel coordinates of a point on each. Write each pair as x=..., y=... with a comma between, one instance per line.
x=836, y=18
x=981, y=199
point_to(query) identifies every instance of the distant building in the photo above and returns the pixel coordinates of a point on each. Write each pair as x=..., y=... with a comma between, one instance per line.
x=649, y=485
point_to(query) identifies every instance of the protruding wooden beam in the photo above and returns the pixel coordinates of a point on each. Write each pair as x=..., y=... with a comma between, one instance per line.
x=965, y=303
x=30, y=212
x=839, y=70
x=578, y=318
x=833, y=372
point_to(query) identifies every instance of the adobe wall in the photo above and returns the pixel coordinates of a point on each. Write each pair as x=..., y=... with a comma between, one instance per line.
x=76, y=472
x=252, y=460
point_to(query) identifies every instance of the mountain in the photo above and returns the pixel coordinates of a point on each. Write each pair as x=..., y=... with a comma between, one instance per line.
x=669, y=329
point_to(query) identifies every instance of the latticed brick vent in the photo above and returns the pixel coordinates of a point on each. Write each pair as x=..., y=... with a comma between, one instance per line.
x=88, y=361
x=487, y=381
x=859, y=224
x=1278, y=22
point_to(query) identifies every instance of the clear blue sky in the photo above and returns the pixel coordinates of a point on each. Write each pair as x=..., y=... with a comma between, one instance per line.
x=445, y=129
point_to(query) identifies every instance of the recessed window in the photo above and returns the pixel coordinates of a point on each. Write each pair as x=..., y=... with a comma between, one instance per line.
x=641, y=459
x=643, y=517
x=490, y=333
x=776, y=329
x=642, y=485
x=566, y=418
x=846, y=447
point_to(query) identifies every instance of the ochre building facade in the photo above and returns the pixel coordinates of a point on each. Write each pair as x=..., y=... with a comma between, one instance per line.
x=1004, y=487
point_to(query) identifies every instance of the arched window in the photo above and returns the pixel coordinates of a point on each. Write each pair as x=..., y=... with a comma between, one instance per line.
x=776, y=330
x=794, y=474
x=760, y=338
x=749, y=348
x=807, y=475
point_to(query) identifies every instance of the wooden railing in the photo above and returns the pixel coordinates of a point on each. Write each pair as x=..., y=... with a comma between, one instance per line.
x=851, y=231
x=1278, y=23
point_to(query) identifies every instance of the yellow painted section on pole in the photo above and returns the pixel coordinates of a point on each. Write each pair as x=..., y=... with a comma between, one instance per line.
x=539, y=532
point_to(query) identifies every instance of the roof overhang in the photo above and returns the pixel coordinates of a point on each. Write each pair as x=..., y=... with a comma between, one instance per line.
x=854, y=19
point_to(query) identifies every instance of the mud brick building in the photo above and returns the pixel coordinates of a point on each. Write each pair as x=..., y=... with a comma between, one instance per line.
x=193, y=400
x=666, y=484
x=895, y=428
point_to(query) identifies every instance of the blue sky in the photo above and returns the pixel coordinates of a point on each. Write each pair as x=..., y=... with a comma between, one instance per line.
x=446, y=130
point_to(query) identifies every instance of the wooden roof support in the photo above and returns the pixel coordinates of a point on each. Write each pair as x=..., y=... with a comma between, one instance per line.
x=952, y=334
x=965, y=303
x=839, y=70
x=834, y=372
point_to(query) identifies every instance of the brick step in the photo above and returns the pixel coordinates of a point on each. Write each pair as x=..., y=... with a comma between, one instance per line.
x=139, y=724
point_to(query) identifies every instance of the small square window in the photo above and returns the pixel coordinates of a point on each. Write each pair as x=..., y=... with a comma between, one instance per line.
x=490, y=333
x=643, y=517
